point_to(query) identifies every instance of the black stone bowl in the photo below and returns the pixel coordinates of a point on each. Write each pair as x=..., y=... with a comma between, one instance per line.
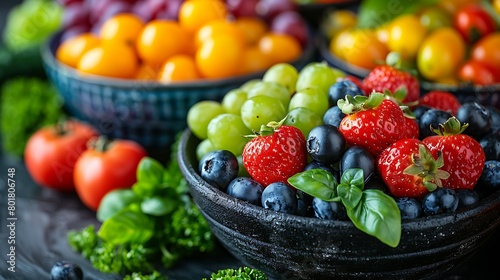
x=488, y=95
x=292, y=247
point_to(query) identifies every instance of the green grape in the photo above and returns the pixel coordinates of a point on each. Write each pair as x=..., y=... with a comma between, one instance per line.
x=319, y=75
x=260, y=110
x=200, y=114
x=284, y=74
x=203, y=148
x=312, y=99
x=247, y=85
x=232, y=101
x=303, y=119
x=226, y=132
x=270, y=89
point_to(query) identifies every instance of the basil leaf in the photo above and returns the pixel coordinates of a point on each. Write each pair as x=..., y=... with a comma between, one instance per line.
x=150, y=171
x=350, y=196
x=127, y=225
x=353, y=177
x=377, y=214
x=143, y=189
x=316, y=182
x=114, y=201
x=158, y=206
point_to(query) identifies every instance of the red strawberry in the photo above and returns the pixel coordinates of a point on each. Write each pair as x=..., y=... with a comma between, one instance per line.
x=409, y=169
x=385, y=77
x=412, y=129
x=372, y=122
x=274, y=155
x=442, y=100
x=463, y=156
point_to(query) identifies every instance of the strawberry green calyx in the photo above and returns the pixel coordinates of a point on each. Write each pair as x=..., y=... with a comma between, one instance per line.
x=425, y=166
x=452, y=126
x=267, y=129
x=351, y=105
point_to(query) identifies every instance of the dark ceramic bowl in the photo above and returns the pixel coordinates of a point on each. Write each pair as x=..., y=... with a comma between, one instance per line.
x=150, y=113
x=292, y=247
x=486, y=95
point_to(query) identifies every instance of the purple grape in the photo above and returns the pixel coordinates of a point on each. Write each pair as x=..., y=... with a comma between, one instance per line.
x=291, y=23
x=269, y=9
x=242, y=8
x=76, y=14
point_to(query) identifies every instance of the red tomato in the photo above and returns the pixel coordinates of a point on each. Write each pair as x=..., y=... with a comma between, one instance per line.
x=478, y=72
x=51, y=153
x=473, y=22
x=106, y=166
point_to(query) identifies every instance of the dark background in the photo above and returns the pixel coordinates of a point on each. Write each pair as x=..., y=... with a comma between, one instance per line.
x=45, y=217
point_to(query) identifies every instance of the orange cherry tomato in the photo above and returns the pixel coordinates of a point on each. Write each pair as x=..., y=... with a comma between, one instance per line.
x=280, y=47
x=110, y=59
x=194, y=14
x=219, y=57
x=487, y=49
x=179, y=68
x=160, y=40
x=125, y=27
x=71, y=50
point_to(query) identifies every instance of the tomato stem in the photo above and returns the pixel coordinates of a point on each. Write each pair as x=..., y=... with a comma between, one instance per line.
x=101, y=144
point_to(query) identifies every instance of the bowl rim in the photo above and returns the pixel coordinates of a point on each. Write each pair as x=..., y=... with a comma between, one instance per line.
x=424, y=222
x=51, y=44
x=426, y=85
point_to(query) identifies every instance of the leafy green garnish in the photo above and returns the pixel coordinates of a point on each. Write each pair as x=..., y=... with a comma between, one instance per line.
x=30, y=23
x=371, y=211
x=26, y=105
x=155, y=223
x=374, y=13
x=242, y=273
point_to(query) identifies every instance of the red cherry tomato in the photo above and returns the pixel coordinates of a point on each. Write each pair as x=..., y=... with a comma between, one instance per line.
x=478, y=72
x=106, y=166
x=473, y=22
x=51, y=153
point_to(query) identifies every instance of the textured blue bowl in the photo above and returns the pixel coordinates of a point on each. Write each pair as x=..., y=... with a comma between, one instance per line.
x=288, y=247
x=148, y=112
x=486, y=95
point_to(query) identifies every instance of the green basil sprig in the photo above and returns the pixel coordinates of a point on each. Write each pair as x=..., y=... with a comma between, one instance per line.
x=371, y=211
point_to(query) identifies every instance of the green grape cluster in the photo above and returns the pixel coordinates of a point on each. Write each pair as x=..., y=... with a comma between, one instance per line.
x=283, y=91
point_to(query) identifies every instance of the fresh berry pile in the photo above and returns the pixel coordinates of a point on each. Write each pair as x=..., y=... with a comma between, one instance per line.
x=365, y=153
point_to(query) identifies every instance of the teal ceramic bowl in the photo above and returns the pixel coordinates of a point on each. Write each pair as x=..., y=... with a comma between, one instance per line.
x=150, y=113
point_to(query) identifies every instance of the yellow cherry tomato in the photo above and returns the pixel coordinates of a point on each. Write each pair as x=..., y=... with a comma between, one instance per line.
x=406, y=33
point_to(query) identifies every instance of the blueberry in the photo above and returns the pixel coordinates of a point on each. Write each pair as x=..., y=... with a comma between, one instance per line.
x=219, y=168
x=64, y=270
x=495, y=119
x=432, y=117
x=279, y=197
x=420, y=110
x=246, y=189
x=333, y=116
x=491, y=146
x=340, y=89
x=325, y=144
x=409, y=207
x=304, y=209
x=442, y=200
x=490, y=178
x=329, y=210
x=358, y=157
x=316, y=164
x=478, y=118
x=376, y=183
x=467, y=197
